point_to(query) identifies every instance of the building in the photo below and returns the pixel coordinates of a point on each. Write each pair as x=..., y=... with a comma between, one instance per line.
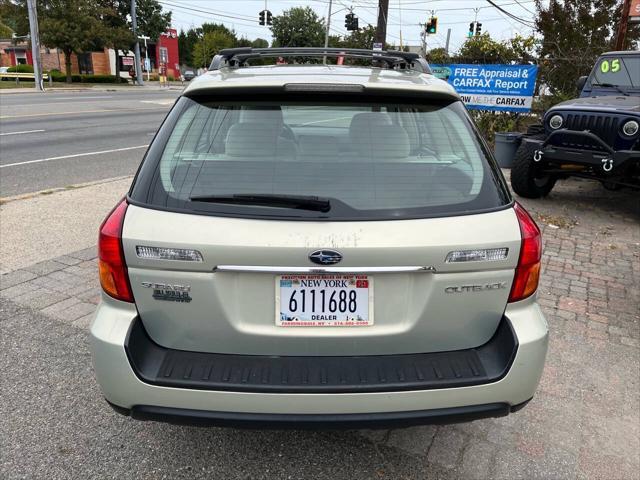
x=163, y=50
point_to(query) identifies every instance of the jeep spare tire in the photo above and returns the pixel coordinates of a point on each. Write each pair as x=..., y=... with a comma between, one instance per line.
x=527, y=179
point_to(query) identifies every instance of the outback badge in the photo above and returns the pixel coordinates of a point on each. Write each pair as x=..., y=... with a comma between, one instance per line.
x=169, y=292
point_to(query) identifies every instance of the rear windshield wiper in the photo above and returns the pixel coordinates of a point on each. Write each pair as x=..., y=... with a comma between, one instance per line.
x=610, y=85
x=299, y=202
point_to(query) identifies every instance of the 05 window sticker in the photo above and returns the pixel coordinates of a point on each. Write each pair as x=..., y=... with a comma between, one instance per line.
x=610, y=66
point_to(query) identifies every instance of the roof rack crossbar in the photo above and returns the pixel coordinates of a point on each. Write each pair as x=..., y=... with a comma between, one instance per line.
x=237, y=57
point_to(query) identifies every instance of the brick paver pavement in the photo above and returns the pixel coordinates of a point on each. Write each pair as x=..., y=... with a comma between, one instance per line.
x=584, y=421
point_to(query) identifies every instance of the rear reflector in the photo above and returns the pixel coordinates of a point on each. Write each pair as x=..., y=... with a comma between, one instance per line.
x=486, y=255
x=160, y=253
x=113, y=269
x=525, y=280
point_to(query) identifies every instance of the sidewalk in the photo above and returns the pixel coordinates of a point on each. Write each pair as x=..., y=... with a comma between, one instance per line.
x=106, y=87
x=34, y=228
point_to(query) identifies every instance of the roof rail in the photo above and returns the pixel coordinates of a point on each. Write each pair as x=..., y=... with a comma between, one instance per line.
x=238, y=57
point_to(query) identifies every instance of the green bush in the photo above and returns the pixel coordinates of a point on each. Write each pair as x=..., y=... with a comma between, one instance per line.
x=75, y=78
x=61, y=77
x=489, y=122
x=21, y=69
x=102, y=79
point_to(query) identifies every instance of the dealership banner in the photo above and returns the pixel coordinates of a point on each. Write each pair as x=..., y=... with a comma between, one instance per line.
x=507, y=88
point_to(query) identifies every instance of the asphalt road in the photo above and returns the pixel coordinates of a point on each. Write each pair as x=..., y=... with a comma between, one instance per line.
x=57, y=139
x=55, y=425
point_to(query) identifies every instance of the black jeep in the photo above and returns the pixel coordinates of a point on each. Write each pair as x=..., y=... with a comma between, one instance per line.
x=595, y=136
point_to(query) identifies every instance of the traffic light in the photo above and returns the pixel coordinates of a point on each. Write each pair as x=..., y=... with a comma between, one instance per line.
x=478, y=28
x=351, y=22
x=269, y=17
x=471, y=29
x=432, y=25
x=262, y=15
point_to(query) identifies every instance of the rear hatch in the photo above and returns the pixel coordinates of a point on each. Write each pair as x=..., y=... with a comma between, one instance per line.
x=240, y=206
x=459, y=306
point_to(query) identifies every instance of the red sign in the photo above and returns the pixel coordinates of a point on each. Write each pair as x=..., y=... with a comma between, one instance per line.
x=170, y=33
x=634, y=11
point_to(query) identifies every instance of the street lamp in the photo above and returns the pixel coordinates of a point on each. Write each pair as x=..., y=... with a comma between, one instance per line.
x=147, y=64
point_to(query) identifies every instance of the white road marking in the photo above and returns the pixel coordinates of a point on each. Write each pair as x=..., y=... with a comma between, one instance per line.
x=72, y=156
x=80, y=98
x=20, y=133
x=80, y=112
x=162, y=101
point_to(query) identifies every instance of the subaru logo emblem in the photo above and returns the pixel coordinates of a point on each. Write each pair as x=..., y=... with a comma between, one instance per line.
x=325, y=257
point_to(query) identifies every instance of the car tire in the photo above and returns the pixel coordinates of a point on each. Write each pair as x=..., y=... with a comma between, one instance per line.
x=525, y=178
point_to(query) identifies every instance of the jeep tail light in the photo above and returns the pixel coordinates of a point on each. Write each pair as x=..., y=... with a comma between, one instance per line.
x=525, y=280
x=113, y=269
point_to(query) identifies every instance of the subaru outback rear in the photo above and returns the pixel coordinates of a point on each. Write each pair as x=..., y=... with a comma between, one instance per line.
x=317, y=245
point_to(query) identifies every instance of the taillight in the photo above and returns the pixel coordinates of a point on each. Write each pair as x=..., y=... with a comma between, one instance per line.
x=113, y=269
x=525, y=280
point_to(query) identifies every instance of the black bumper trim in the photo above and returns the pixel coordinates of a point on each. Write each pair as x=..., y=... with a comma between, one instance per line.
x=166, y=367
x=612, y=159
x=439, y=416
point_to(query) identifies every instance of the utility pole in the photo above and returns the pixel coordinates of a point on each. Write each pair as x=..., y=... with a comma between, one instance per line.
x=134, y=26
x=326, y=33
x=623, y=25
x=35, y=44
x=381, y=30
x=446, y=45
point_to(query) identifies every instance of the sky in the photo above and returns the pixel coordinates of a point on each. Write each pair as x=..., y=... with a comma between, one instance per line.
x=405, y=17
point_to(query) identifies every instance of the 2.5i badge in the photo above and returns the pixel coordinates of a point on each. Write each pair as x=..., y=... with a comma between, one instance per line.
x=172, y=293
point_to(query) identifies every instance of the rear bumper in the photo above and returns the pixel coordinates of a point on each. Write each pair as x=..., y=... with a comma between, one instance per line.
x=203, y=418
x=124, y=389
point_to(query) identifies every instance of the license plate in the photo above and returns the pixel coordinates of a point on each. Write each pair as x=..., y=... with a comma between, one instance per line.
x=324, y=300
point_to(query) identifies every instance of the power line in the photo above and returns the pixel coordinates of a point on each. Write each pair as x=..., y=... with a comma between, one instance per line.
x=510, y=15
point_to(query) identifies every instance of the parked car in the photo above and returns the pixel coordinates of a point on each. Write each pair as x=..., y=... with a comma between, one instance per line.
x=189, y=75
x=596, y=136
x=318, y=246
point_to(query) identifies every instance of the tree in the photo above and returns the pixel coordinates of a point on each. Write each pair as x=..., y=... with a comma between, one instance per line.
x=260, y=43
x=209, y=45
x=13, y=14
x=73, y=26
x=298, y=27
x=217, y=28
x=118, y=30
x=186, y=41
x=483, y=49
x=151, y=20
x=5, y=31
x=361, y=38
x=438, y=56
x=575, y=33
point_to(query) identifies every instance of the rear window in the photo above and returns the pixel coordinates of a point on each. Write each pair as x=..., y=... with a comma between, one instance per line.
x=363, y=160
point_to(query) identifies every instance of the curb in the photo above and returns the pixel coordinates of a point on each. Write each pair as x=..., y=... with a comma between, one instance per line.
x=153, y=88
x=49, y=191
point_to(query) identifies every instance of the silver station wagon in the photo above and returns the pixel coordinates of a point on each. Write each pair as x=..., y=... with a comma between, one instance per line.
x=318, y=245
